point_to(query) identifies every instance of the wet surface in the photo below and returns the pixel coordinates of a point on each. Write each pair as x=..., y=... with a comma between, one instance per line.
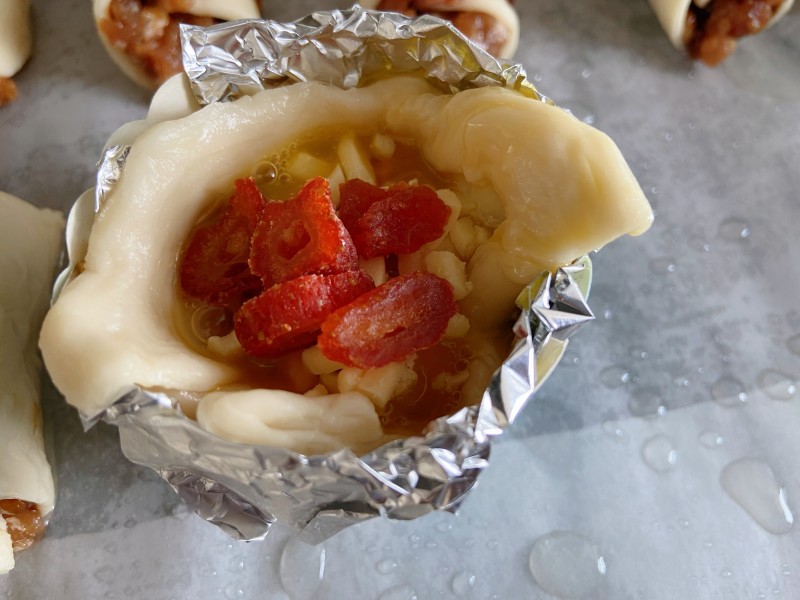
x=696, y=352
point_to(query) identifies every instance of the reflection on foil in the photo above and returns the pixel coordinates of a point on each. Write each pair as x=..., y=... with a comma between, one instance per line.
x=244, y=489
x=345, y=48
x=109, y=171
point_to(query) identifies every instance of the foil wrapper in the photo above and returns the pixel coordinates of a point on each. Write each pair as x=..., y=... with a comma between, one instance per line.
x=243, y=488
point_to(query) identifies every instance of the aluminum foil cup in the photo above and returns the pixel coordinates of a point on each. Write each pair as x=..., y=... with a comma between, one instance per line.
x=242, y=488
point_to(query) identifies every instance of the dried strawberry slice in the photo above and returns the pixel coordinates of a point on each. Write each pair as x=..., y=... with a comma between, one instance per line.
x=404, y=315
x=302, y=236
x=396, y=220
x=214, y=267
x=288, y=315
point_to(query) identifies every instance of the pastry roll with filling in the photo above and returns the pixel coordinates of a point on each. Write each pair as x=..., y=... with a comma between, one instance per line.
x=142, y=36
x=15, y=44
x=710, y=29
x=30, y=244
x=323, y=268
x=491, y=24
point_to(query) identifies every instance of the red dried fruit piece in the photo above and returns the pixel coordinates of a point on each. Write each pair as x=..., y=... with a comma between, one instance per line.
x=396, y=220
x=302, y=236
x=214, y=267
x=288, y=315
x=404, y=315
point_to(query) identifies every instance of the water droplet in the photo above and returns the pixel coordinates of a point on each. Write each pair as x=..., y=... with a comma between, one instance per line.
x=608, y=314
x=401, y=592
x=237, y=564
x=711, y=439
x=302, y=568
x=612, y=428
x=734, y=230
x=751, y=483
x=567, y=565
x=726, y=573
x=708, y=544
x=776, y=385
x=585, y=73
x=444, y=527
x=659, y=454
x=728, y=391
x=668, y=137
x=430, y=544
x=130, y=523
x=386, y=566
x=645, y=402
x=415, y=540
x=614, y=376
x=233, y=591
x=492, y=544
x=786, y=570
x=663, y=265
x=462, y=582
x=793, y=343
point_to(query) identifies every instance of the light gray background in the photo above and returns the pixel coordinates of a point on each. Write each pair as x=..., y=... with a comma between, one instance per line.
x=709, y=294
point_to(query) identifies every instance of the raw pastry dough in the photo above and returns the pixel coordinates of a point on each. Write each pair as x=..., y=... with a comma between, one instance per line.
x=562, y=188
x=15, y=36
x=30, y=243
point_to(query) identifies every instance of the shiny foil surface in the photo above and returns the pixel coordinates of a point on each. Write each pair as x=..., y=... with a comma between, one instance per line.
x=243, y=489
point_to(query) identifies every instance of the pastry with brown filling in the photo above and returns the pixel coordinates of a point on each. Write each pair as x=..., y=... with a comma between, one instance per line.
x=709, y=30
x=30, y=244
x=142, y=35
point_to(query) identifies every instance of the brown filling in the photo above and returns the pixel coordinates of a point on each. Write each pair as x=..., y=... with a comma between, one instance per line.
x=147, y=31
x=711, y=32
x=486, y=31
x=8, y=91
x=24, y=521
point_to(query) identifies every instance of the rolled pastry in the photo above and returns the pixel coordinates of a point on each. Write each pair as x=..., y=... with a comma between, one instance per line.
x=141, y=36
x=709, y=29
x=30, y=243
x=491, y=24
x=15, y=44
x=535, y=188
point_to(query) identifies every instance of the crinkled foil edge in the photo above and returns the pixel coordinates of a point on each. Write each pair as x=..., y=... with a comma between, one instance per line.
x=244, y=489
